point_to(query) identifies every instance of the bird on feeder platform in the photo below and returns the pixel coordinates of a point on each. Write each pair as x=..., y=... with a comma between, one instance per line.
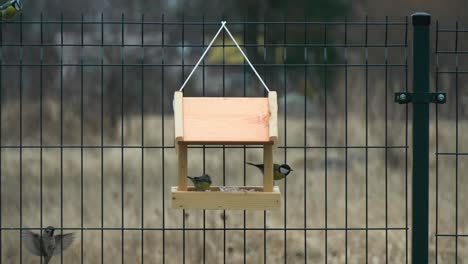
x=10, y=8
x=279, y=171
x=201, y=183
x=47, y=245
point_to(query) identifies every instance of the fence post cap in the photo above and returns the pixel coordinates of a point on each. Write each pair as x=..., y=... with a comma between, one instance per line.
x=421, y=19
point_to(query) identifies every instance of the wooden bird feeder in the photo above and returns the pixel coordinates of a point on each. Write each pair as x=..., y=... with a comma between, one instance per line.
x=226, y=121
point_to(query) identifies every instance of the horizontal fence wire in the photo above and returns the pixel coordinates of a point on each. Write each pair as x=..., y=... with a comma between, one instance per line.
x=87, y=145
x=206, y=23
x=213, y=147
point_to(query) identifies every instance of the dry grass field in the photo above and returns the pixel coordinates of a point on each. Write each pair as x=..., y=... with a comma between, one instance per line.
x=324, y=185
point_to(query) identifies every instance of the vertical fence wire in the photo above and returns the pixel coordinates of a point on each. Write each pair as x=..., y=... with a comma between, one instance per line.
x=61, y=130
x=346, y=136
x=223, y=68
x=142, y=124
x=264, y=213
x=366, y=72
x=306, y=60
x=406, y=144
x=437, y=146
x=285, y=86
x=1, y=156
x=244, y=158
x=325, y=149
x=81, y=138
x=20, y=67
x=182, y=80
x=163, y=157
x=102, y=136
x=456, y=140
x=204, y=147
x=122, y=139
x=386, y=137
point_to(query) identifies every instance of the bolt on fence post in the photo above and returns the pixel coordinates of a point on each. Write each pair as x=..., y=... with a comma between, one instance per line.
x=420, y=207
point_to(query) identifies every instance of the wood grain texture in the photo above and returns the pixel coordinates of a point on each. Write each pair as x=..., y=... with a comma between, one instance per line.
x=182, y=167
x=273, y=125
x=215, y=200
x=268, y=168
x=226, y=119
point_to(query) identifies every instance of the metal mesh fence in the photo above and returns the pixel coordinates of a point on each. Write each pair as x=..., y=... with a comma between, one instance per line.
x=449, y=145
x=87, y=141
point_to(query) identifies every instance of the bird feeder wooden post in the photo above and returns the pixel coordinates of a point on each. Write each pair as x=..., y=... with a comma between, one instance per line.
x=226, y=121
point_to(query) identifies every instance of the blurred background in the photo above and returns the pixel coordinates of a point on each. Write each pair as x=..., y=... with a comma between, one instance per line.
x=177, y=11
x=253, y=10
x=87, y=135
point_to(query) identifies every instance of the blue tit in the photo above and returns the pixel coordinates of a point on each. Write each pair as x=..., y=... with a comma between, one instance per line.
x=47, y=245
x=201, y=183
x=279, y=171
x=10, y=8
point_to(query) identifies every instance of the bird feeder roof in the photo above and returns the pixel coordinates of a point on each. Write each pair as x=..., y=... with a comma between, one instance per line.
x=226, y=120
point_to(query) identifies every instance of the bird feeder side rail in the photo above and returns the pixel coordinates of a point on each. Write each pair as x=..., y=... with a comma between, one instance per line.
x=178, y=118
x=273, y=122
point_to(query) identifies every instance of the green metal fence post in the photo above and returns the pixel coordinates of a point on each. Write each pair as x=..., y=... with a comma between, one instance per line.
x=420, y=224
x=420, y=98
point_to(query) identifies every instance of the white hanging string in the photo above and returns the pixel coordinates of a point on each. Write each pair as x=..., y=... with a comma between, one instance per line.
x=223, y=25
x=203, y=55
x=247, y=59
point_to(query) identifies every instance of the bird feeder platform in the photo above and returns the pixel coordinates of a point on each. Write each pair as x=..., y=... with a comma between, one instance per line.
x=226, y=121
x=245, y=198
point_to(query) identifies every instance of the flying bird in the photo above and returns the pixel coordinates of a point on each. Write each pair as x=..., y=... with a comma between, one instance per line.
x=10, y=8
x=47, y=245
x=201, y=183
x=279, y=171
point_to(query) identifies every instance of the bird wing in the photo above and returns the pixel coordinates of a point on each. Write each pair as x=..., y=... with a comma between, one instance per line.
x=62, y=242
x=276, y=167
x=204, y=178
x=32, y=242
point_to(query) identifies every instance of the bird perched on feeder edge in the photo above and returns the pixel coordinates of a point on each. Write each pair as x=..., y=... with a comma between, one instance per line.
x=279, y=171
x=201, y=183
x=47, y=245
x=10, y=8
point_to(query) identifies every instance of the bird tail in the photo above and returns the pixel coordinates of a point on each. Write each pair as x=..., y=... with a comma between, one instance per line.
x=255, y=165
x=191, y=178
